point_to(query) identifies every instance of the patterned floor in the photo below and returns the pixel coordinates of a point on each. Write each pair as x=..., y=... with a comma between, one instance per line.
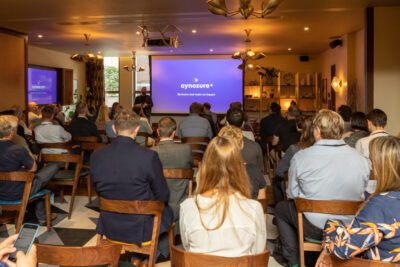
x=80, y=229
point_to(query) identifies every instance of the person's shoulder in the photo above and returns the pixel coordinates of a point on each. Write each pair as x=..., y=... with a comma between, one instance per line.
x=188, y=204
x=250, y=143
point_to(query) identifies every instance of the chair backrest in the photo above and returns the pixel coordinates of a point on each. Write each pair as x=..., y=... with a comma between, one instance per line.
x=67, y=158
x=79, y=256
x=87, y=139
x=180, y=174
x=182, y=258
x=26, y=177
x=92, y=146
x=195, y=139
x=198, y=147
x=339, y=207
x=143, y=134
x=67, y=145
x=358, y=262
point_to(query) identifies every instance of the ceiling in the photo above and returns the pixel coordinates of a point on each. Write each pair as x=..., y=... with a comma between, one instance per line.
x=113, y=24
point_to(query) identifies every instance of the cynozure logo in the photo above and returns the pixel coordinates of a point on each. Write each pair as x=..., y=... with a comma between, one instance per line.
x=186, y=86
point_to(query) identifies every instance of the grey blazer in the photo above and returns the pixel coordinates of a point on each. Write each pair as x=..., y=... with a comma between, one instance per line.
x=175, y=156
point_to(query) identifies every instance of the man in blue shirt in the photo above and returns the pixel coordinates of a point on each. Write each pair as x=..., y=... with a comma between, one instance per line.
x=328, y=170
x=194, y=125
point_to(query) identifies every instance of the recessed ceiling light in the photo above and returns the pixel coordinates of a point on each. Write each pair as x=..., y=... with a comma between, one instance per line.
x=40, y=36
x=211, y=50
x=194, y=31
x=138, y=32
x=289, y=49
x=306, y=28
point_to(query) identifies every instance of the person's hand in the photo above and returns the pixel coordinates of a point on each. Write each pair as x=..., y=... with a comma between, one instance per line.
x=6, y=248
x=145, y=105
x=324, y=259
x=28, y=260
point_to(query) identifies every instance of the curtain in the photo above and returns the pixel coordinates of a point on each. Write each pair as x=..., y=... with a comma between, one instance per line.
x=94, y=83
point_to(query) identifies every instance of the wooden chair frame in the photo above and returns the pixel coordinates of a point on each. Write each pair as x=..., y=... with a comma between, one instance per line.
x=195, y=139
x=27, y=178
x=359, y=262
x=86, y=139
x=67, y=145
x=79, y=256
x=181, y=258
x=192, y=141
x=180, y=174
x=67, y=158
x=154, y=208
x=338, y=207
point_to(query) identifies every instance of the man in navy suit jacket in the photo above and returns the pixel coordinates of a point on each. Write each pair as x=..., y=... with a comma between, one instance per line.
x=124, y=170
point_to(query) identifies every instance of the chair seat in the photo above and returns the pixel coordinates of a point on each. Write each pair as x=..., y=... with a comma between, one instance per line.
x=17, y=202
x=311, y=240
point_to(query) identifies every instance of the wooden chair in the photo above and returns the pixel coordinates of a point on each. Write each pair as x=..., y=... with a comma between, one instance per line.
x=110, y=139
x=195, y=139
x=20, y=205
x=358, y=262
x=338, y=207
x=277, y=149
x=102, y=132
x=145, y=135
x=79, y=256
x=267, y=160
x=67, y=145
x=89, y=147
x=86, y=139
x=65, y=177
x=181, y=258
x=154, y=208
x=181, y=174
x=198, y=145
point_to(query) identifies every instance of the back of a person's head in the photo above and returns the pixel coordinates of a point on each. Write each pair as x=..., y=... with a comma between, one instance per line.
x=114, y=108
x=8, y=123
x=136, y=108
x=47, y=112
x=235, y=117
x=293, y=112
x=236, y=105
x=81, y=108
x=207, y=106
x=126, y=121
x=234, y=133
x=195, y=108
x=307, y=138
x=359, y=121
x=345, y=112
x=384, y=153
x=330, y=124
x=102, y=116
x=166, y=126
x=377, y=117
x=275, y=108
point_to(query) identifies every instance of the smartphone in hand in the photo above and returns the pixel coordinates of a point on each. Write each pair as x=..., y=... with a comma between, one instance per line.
x=25, y=239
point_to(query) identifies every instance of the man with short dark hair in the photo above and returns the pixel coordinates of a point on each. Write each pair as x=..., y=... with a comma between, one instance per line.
x=345, y=112
x=328, y=170
x=124, y=170
x=81, y=126
x=252, y=155
x=15, y=158
x=194, y=125
x=287, y=133
x=207, y=111
x=377, y=120
x=47, y=132
x=173, y=156
x=269, y=124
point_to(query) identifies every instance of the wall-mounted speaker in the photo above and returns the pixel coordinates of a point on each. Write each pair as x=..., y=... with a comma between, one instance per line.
x=335, y=43
x=304, y=58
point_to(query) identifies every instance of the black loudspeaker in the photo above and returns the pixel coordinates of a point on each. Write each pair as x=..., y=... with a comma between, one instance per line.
x=304, y=58
x=335, y=43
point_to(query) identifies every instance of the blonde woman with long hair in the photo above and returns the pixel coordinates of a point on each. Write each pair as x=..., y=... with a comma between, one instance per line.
x=222, y=219
x=375, y=232
x=102, y=117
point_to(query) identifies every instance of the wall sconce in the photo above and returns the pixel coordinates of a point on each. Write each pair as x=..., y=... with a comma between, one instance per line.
x=336, y=83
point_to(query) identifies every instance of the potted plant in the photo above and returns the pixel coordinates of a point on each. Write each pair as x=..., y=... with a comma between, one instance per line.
x=269, y=73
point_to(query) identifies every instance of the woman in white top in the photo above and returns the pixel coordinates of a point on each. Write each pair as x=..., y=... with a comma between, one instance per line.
x=222, y=219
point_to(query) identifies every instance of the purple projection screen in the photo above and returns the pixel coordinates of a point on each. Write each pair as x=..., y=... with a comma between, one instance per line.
x=42, y=86
x=176, y=83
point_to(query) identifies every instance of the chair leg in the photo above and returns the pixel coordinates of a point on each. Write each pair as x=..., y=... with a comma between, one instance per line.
x=19, y=219
x=301, y=238
x=89, y=188
x=71, y=205
x=48, y=219
x=171, y=240
x=62, y=194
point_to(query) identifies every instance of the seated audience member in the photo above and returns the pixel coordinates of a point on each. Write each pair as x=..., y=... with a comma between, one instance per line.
x=124, y=170
x=47, y=132
x=269, y=124
x=287, y=133
x=374, y=233
x=377, y=120
x=194, y=125
x=33, y=114
x=207, y=111
x=173, y=156
x=19, y=138
x=144, y=125
x=209, y=119
x=345, y=112
x=251, y=153
x=109, y=126
x=306, y=140
x=81, y=126
x=102, y=117
x=15, y=158
x=328, y=170
x=359, y=126
x=19, y=113
x=221, y=219
x=7, y=247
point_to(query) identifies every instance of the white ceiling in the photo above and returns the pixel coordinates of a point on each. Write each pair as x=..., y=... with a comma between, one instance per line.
x=113, y=23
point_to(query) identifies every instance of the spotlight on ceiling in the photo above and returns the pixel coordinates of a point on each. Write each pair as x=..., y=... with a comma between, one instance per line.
x=246, y=9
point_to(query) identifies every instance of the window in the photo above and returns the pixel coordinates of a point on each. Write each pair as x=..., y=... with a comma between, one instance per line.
x=111, y=80
x=142, y=77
